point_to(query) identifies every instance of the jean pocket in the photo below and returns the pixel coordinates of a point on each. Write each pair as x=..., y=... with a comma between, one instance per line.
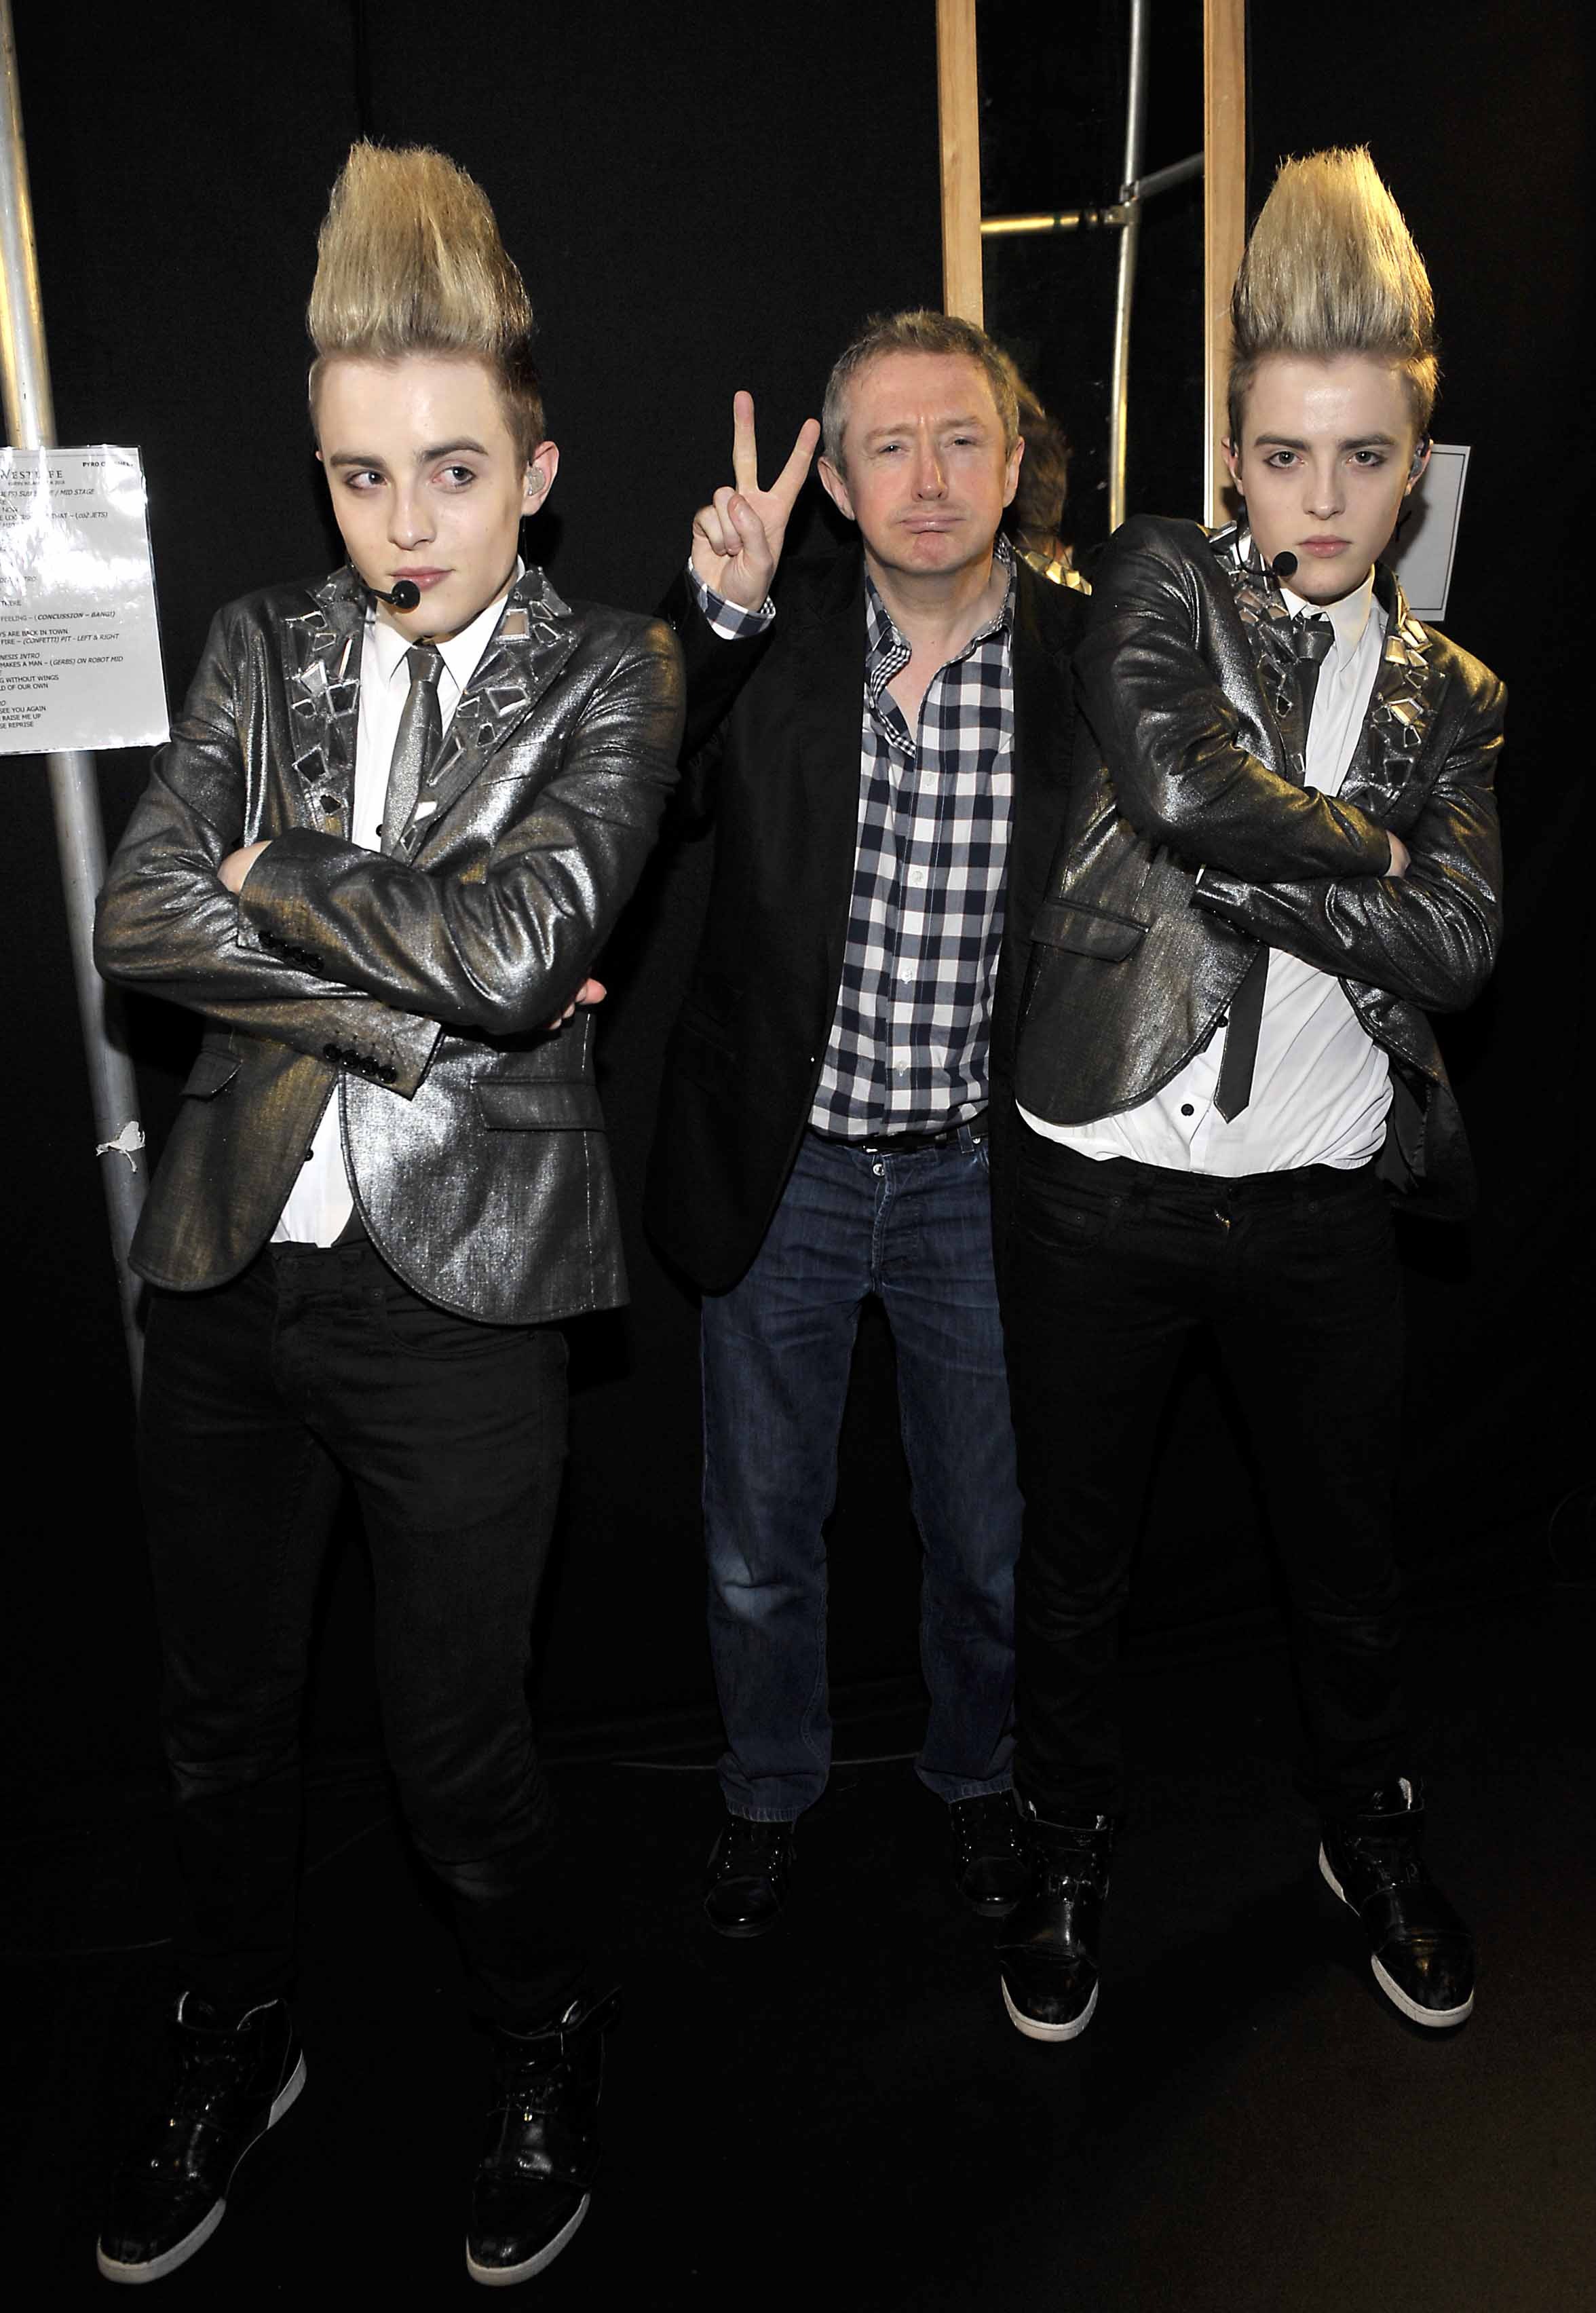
x=1061, y=1223
x=1357, y=1220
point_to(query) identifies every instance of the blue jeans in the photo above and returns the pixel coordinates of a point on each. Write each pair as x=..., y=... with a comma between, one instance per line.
x=917, y=1230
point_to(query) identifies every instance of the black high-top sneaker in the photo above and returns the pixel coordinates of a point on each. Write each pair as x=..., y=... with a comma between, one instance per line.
x=540, y=2152
x=1049, y=1942
x=1422, y=1954
x=232, y=2081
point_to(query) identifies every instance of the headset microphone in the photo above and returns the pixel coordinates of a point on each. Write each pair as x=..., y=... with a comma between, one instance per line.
x=1283, y=566
x=406, y=594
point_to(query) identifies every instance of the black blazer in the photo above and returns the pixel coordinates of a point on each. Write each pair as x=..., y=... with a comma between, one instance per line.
x=772, y=749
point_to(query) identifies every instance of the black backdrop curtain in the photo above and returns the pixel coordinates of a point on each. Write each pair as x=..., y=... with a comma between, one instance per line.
x=704, y=198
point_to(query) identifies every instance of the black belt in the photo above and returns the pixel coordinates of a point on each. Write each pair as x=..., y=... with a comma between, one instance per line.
x=907, y=1144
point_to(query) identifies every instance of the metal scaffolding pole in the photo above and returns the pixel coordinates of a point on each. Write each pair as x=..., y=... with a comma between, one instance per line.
x=1130, y=234
x=31, y=422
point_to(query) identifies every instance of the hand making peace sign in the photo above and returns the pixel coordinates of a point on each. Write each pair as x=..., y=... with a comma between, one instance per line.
x=737, y=539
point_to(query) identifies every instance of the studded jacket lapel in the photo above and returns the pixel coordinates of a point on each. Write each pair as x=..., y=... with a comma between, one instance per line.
x=532, y=643
x=323, y=650
x=1408, y=690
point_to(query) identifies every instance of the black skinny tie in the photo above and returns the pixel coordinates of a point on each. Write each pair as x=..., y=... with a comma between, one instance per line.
x=1311, y=638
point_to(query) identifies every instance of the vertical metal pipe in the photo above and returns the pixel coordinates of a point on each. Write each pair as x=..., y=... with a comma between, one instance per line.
x=31, y=420
x=1130, y=233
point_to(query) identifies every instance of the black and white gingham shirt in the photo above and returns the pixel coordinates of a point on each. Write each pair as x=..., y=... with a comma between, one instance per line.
x=907, y=1047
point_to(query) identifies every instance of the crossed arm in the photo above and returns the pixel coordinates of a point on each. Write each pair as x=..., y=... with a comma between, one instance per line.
x=1430, y=935
x=1306, y=872
x=330, y=942
x=1183, y=772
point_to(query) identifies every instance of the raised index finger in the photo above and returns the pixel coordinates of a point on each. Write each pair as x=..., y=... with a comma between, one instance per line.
x=745, y=452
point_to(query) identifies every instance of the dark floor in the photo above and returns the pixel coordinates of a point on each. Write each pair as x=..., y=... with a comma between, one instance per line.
x=841, y=2113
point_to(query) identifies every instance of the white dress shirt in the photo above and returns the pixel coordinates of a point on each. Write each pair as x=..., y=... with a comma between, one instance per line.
x=320, y=1203
x=1320, y=1086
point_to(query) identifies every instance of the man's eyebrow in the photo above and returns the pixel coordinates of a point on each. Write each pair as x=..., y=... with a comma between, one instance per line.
x=1351, y=442
x=906, y=425
x=423, y=457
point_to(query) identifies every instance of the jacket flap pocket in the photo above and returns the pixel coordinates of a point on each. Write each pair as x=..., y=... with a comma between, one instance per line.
x=1087, y=931
x=528, y=1105
x=212, y=1073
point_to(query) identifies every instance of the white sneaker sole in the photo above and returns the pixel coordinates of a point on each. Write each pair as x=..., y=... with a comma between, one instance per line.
x=504, y=2276
x=1435, y=2018
x=1033, y=2030
x=158, y=2268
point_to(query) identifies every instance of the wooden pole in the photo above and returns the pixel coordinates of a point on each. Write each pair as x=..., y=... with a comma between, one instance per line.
x=959, y=120
x=1224, y=222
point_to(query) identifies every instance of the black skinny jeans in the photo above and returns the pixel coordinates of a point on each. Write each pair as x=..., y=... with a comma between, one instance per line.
x=260, y=1399
x=1110, y=1267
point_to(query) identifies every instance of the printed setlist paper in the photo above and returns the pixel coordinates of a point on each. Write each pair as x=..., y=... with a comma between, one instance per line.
x=80, y=653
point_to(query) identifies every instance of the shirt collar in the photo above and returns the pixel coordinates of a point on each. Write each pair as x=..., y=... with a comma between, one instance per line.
x=1349, y=616
x=881, y=635
x=461, y=655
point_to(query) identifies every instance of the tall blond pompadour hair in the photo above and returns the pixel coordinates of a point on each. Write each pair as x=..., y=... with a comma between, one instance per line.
x=1331, y=268
x=409, y=261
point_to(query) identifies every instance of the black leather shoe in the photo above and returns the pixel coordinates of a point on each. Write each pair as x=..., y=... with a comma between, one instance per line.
x=230, y=2084
x=540, y=2152
x=988, y=1859
x=1049, y=1947
x=745, y=1883
x=1420, y=1952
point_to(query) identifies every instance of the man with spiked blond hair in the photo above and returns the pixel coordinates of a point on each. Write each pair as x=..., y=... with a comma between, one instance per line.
x=1280, y=856
x=395, y=823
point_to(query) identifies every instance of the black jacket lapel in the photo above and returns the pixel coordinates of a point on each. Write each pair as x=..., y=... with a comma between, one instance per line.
x=826, y=669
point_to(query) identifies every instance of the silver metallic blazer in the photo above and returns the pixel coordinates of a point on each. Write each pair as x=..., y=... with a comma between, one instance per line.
x=413, y=988
x=1190, y=837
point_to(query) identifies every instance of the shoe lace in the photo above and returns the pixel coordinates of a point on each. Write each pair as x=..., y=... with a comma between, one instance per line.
x=209, y=2067
x=1055, y=1877
x=987, y=1825
x=749, y=1846
x=1395, y=1862
x=531, y=2087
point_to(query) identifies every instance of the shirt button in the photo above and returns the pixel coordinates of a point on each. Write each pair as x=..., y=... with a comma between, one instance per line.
x=1186, y=1109
x=916, y=874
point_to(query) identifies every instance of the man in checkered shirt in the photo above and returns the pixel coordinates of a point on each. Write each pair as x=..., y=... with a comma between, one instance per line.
x=867, y=746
